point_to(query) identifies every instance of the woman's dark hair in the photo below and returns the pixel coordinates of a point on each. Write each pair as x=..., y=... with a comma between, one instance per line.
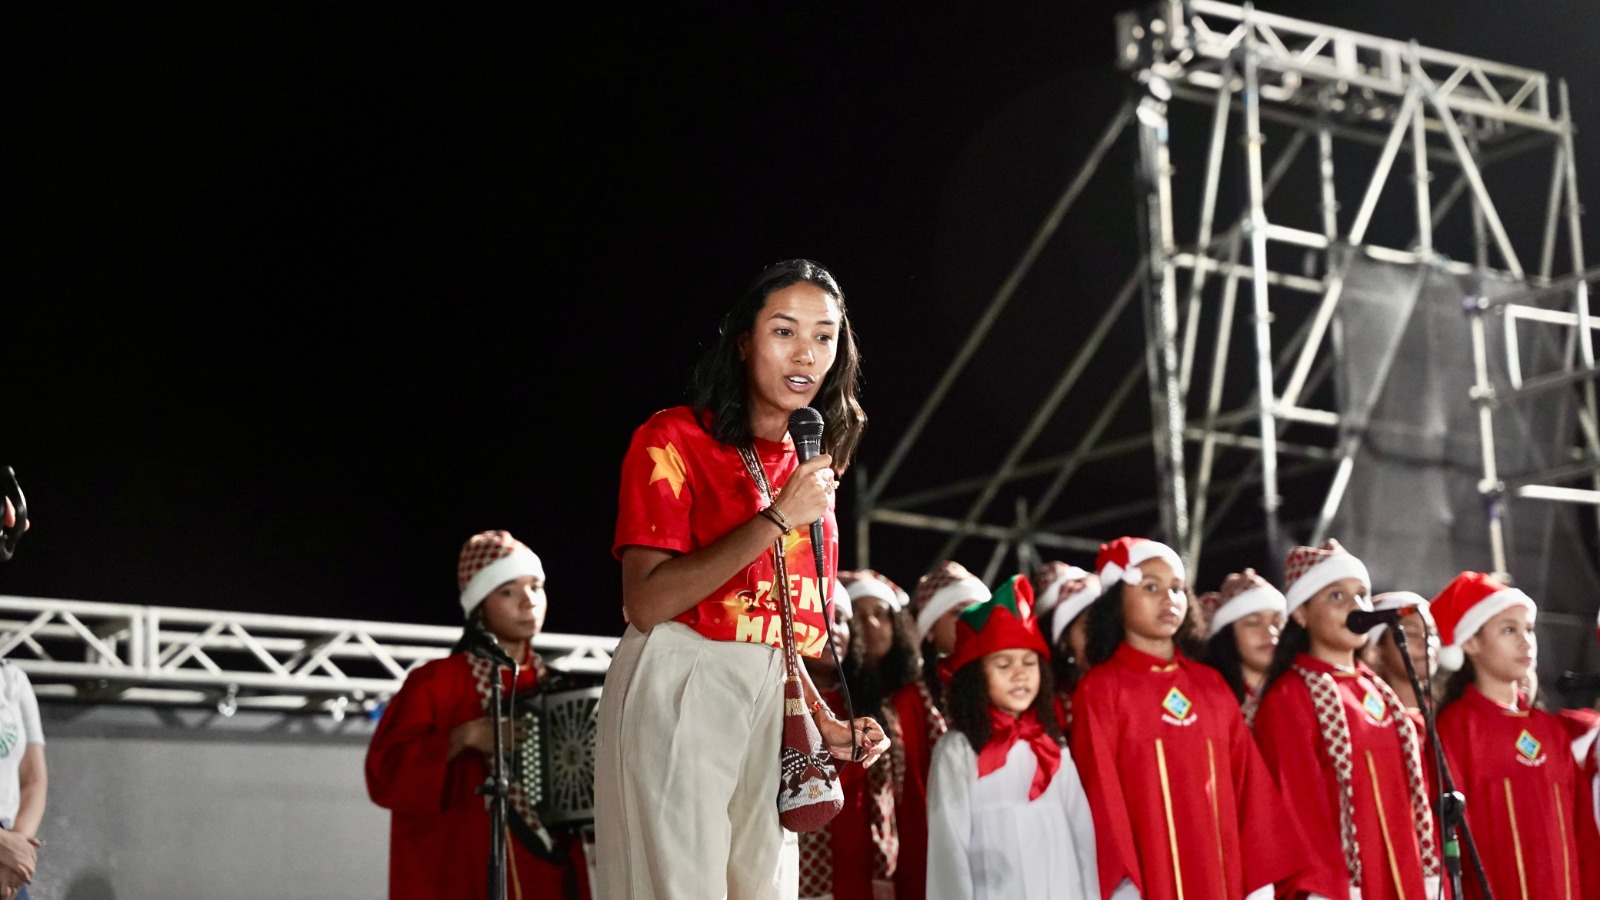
x=1222, y=654
x=969, y=704
x=475, y=634
x=1292, y=641
x=871, y=686
x=720, y=389
x=1457, y=683
x=1107, y=629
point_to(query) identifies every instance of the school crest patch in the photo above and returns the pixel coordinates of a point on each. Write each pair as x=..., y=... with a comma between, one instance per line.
x=1374, y=706
x=1528, y=745
x=1177, y=704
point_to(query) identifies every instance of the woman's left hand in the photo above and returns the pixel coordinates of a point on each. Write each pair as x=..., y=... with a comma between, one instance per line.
x=869, y=737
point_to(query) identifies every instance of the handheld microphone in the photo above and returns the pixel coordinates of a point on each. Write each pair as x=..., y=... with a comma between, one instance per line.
x=1578, y=681
x=805, y=426
x=1362, y=621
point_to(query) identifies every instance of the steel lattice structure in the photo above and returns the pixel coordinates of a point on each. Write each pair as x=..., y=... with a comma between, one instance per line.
x=1434, y=118
x=111, y=652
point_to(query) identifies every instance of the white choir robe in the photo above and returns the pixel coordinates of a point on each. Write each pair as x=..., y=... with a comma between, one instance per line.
x=986, y=840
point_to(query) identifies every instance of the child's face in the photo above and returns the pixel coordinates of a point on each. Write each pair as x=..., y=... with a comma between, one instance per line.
x=1154, y=608
x=943, y=633
x=874, y=621
x=1505, y=648
x=1013, y=677
x=1256, y=636
x=1323, y=616
x=514, y=611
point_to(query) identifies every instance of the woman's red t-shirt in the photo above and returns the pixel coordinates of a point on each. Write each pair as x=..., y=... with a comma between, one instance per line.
x=682, y=490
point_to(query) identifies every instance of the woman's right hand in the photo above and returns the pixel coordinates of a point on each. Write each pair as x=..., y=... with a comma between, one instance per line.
x=17, y=854
x=806, y=495
x=478, y=735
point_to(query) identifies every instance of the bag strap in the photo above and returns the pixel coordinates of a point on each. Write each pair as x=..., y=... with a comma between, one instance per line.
x=758, y=474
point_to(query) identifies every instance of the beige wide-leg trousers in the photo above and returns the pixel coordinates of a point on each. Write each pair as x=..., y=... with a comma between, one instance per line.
x=686, y=771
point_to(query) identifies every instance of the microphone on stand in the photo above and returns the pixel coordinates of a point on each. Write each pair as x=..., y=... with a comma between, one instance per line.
x=1362, y=621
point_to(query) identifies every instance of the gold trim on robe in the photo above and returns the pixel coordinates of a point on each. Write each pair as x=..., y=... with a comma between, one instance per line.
x=1383, y=825
x=1216, y=817
x=1172, y=827
x=1516, y=839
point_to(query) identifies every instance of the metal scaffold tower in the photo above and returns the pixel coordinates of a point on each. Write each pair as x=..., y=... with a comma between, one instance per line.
x=1433, y=127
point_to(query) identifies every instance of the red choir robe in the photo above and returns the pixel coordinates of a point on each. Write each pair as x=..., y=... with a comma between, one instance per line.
x=439, y=827
x=1521, y=783
x=1291, y=742
x=916, y=727
x=1182, y=803
x=1589, y=814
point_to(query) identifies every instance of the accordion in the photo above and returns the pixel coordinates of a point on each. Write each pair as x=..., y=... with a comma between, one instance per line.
x=552, y=766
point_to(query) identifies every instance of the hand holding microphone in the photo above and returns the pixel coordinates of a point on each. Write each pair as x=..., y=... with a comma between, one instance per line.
x=805, y=496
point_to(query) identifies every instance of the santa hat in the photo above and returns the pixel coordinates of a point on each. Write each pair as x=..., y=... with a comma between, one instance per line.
x=1003, y=622
x=1399, y=600
x=867, y=583
x=1119, y=560
x=1310, y=569
x=490, y=559
x=1243, y=594
x=1073, y=606
x=841, y=601
x=949, y=586
x=1049, y=580
x=1465, y=606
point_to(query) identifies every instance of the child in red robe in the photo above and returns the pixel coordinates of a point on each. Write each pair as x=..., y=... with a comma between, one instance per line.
x=430, y=752
x=1342, y=745
x=1065, y=593
x=1183, y=806
x=1513, y=763
x=1243, y=623
x=877, y=846
x=941, y=595
x=1008, y=819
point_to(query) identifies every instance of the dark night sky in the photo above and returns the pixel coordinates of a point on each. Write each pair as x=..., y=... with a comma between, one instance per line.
x=298, y=297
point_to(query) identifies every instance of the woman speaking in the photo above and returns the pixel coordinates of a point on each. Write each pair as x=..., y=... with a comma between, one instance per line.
x=687, y=774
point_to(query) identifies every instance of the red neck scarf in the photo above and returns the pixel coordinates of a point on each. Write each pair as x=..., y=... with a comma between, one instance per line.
x=1005, y=731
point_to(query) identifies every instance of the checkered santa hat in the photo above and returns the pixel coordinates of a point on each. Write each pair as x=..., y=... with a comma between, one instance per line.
x=1066, y=589
x=490, y=559
x=1050, y=580
x=1466, y=605
x=949, y=586
x=1310, y=569
x=1399, y=600
x=1119, y=560
x=1003, y=622
x=869, y=583
x=1243, y=594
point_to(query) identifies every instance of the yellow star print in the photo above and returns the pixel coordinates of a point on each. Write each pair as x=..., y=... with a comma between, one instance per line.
x=669, y=466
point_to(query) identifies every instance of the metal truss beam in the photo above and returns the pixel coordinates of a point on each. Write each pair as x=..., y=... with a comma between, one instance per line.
x=113, y=651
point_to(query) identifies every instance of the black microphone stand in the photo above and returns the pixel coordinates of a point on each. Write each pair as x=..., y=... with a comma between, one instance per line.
x=1451, y=805
x=496, y=787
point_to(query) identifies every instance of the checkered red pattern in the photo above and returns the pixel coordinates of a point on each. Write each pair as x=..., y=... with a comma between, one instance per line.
x=944, y=574
x=1302, y=559
x=1054, y=581
x=1239, y=582
x=482, y=549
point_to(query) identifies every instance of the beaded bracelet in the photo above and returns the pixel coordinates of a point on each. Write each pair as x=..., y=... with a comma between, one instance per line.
x=818, y=706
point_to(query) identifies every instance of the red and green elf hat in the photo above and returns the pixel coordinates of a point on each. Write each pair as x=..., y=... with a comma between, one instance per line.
x=1003, y=622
